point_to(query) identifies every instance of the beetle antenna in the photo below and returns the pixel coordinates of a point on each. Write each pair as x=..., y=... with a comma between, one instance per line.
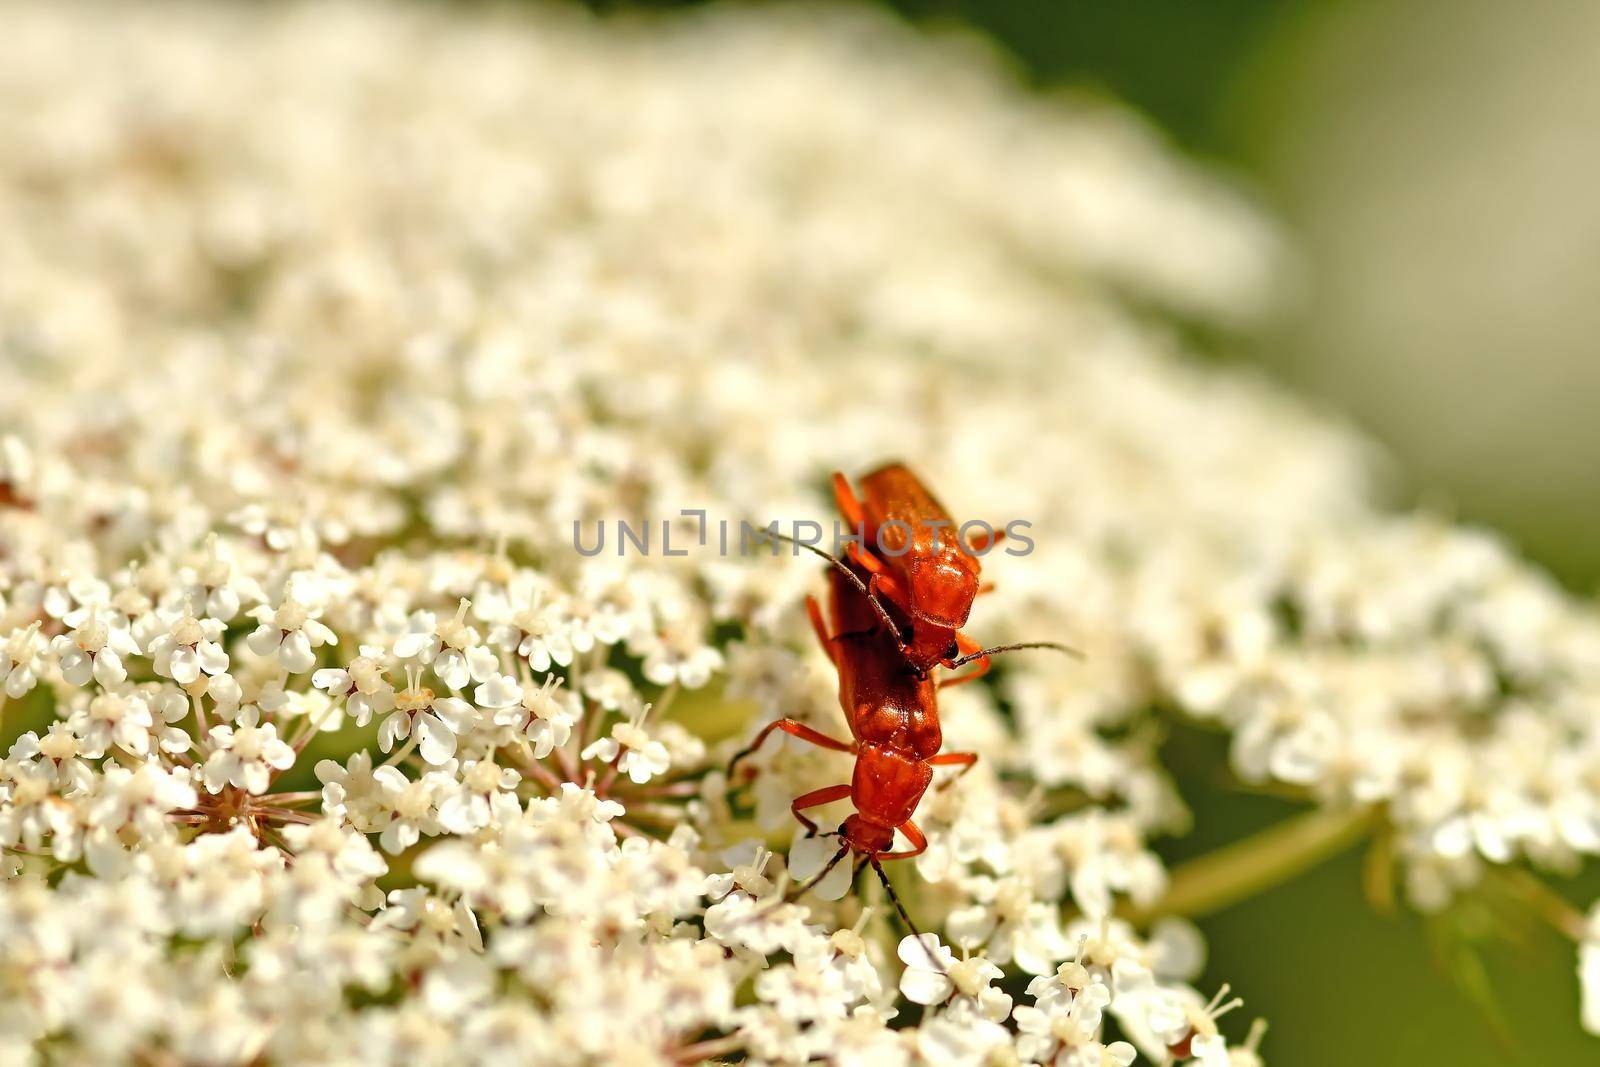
x=982, y=652
x=804, y=887
x=900, y=909
x=811, y=883
x=843, y=568
x=734, y=762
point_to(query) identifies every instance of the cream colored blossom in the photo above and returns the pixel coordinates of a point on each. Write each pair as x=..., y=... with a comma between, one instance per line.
x=323, y=325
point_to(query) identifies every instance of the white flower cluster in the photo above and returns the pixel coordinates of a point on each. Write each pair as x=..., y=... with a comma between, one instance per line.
x=321, y=325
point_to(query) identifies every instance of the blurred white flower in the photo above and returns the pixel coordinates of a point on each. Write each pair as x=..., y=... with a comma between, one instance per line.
x=363, y=683
x=245, y=754
x=933, y=976
x=312, y=360
x=95, y=648
x=632, y=750
x=289, y=633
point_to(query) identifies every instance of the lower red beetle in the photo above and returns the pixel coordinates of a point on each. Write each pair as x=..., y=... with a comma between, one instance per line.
x=893, y=714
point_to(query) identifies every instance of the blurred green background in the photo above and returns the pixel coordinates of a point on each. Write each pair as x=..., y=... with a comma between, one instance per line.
x=1434, y=162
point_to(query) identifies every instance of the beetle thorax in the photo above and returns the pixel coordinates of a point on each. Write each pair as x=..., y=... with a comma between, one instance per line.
x=942, y=588
x=888, y=784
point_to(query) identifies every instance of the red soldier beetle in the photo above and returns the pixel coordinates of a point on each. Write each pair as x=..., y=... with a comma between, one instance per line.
x=893, y=715
x=921, y=567
x=885, y=689
x=894, y=725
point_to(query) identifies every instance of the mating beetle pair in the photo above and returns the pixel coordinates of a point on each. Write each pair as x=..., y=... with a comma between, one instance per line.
x=897, y=615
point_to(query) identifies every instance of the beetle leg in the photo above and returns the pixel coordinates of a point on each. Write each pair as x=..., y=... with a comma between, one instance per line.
x=845, y=499
x=981, y=666
x=982, y=542
x=883, y=587
x=864, y=559
x=793, y=729
x=815, y=611
x=886, y=587
x=829, y=643
x=964, y=760
x=914, y=834
x=815, y=799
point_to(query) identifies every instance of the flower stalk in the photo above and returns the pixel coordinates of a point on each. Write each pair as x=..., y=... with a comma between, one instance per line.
x=1238, y=871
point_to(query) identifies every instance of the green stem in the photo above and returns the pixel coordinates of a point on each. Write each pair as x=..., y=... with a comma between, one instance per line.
x=285, y=800
x=202, y=725
x=1551, y=906
x=1239, y=870
x=405, y=750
